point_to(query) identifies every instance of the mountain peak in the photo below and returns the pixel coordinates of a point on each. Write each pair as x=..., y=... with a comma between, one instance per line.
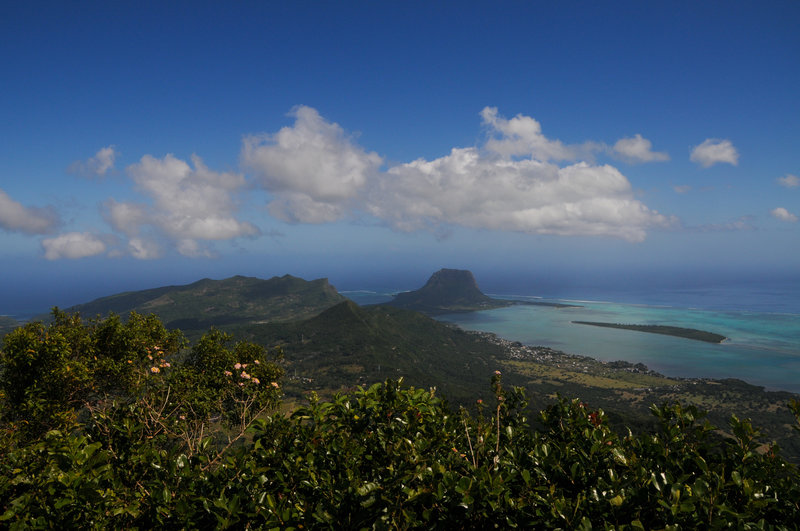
x=460, y=279
x=447, y=290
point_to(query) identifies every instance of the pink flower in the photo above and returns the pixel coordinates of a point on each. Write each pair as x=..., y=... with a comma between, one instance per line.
x=154, y=370
x=237, y=366
x=245, y=375
x=228, y=373
x=256, y=381
x=497, y=373
x=274, y=384
x=257, y=362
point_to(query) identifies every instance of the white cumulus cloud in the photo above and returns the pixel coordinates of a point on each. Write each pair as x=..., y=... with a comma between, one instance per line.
x=313, y=169
x=783, y=215
x=15, y=217
x=187, y=205
x=522, y=136
x=144, y=248
x=73, y=245
x=467, y=189
x=317, y=173
x=127, y=218
x=789, y=181
x=637, y=149
x=713, y=151
x=101, y=163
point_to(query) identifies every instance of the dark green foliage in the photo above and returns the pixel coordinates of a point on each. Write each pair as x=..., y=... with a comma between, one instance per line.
x=7, y=324
x=348, y=345
x=190, y=445
x=196, y=307
x=49, y=372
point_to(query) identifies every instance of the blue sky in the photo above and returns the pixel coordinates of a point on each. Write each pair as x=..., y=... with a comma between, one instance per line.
x=375, y=142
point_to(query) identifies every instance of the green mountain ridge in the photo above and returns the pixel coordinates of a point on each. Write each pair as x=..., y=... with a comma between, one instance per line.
x=349, y=345
x=206, y=303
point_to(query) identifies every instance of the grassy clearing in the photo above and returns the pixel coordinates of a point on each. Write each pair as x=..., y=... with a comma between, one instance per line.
x=607, y=379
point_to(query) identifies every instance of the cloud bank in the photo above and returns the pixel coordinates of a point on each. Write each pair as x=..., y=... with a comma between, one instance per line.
x=14, y=217
x=97, y=166
x=188, y=206
x=789, y=181
x=73, y=245
x=522, y=136
x=467, y=189
x=314, y=171
x=513, y=182
x=637, y=149
x=783, y=215
x=713, y=151
x=313, y=168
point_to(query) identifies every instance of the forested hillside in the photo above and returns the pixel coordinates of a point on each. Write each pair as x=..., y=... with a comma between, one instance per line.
x=196, y=307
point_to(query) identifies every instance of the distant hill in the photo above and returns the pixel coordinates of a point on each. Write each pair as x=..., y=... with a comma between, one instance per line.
x=7, y=324
x=454, y=291
x=348, y=345
x=235, y=300
x=448, y=291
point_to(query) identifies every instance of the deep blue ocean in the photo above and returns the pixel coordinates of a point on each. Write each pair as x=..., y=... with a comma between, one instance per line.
x=761, y=321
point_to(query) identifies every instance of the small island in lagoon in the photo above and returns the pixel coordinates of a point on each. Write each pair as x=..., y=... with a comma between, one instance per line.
x=676, y=331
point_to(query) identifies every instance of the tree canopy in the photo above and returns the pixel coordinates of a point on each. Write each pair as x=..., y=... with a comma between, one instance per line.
x=113, y=423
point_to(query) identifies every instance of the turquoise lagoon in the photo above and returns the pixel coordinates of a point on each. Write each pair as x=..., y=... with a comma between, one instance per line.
x=763, y=346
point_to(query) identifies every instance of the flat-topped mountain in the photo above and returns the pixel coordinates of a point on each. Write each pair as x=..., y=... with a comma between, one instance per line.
x=448, y=290
x=238, y=299
x=453, y=291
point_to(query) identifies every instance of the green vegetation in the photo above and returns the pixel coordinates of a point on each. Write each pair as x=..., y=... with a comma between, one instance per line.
x=688, y=333
x=7, y=324
x=111, y=424
x=349, y=345
x=626, y=391
x=196, y=307
x=119, y=423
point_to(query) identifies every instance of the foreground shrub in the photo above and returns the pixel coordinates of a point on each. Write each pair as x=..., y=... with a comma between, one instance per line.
x=193, y=445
